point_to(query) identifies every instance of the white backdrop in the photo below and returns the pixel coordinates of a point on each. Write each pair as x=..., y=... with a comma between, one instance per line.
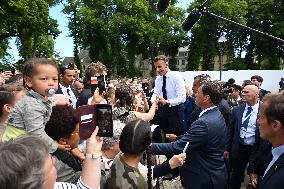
x=271, y=78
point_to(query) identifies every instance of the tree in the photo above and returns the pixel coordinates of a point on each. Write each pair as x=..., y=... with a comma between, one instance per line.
x=29, y=22
x=116, y=31
x=205, y=33
x=266, y=16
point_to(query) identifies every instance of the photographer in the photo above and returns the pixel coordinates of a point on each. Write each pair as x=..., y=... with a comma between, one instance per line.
x=93, y=93
x=228, y=87
x=234, y=98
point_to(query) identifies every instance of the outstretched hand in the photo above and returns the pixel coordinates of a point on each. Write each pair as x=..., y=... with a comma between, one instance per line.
x=177, y=160
x=171, y=137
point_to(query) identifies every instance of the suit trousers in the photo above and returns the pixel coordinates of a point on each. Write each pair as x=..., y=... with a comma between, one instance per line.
x=239, y=164
x=172, y=120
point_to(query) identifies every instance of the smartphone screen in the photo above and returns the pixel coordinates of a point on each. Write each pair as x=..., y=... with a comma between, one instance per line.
x=100, y=82
x=104, y=120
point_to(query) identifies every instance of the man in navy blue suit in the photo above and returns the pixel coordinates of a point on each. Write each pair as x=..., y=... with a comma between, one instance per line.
x=243, y=134
x=271, y=128
x=204, y=166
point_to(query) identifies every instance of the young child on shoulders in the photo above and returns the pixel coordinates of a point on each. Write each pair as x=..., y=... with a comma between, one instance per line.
x=31, y=113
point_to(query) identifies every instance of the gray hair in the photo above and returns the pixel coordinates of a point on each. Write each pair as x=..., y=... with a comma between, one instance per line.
x=22, y=163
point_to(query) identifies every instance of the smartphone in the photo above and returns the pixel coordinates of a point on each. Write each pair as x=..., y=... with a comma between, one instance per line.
x=90, y=116
x=104, y=120
x=100, y=82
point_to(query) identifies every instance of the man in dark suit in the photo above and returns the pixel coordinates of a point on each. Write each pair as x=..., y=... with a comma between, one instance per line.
x=257, y=80
x=65, y=87
x=242, y=133
x=271, y=128
x=222, y=105
x=204, y=166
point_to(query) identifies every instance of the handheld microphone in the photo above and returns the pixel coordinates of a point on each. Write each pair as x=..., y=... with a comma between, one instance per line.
x=193, y=17
x=162, y=5
x=50, y=91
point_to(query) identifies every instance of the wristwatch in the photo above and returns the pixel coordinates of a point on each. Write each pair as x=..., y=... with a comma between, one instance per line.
x=93, y=156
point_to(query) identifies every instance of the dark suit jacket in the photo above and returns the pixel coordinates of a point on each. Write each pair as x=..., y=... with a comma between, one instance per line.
x=83, y=97
x=274, y=177
x=262, y=93
x=223, y=107
x=204, y=166
x=260, y=157
x=59, y=91
x=233, y=132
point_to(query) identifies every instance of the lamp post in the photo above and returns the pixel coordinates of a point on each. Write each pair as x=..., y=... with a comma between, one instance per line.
x=221, y=46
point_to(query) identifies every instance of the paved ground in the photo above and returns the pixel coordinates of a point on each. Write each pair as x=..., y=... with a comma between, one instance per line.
x=175, y=184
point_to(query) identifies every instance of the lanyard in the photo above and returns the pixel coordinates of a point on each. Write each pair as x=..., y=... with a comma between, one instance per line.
x=247, y=117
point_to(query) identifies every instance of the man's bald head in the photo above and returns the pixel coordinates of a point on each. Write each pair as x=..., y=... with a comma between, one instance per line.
x=250, y=94
x=253, y=88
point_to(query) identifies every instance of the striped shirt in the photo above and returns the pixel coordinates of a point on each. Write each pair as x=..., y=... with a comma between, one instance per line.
x=65, y=185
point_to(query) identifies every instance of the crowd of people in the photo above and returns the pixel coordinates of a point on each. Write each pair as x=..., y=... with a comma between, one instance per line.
x=212, y=133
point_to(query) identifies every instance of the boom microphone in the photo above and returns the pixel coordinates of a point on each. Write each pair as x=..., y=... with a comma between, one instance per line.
x=193, y=17
x=162, y=5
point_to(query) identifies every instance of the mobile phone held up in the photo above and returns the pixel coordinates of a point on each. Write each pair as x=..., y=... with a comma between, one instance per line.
x=90, y=116
x=99, y=82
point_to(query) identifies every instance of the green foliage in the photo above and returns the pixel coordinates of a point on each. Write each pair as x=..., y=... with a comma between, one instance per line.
x=265, y=15
x=205, y=34
x=29, y=22
x=236, y=64
x=116, y=31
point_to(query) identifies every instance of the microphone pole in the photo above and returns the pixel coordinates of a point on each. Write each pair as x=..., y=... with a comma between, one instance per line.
x=196, y=14
x=244, y=27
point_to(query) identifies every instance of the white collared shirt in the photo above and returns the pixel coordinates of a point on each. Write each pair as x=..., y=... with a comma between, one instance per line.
x=251, y=128
x=72, y=96
x=175, y=87
x=205, y=110
x=276, y=153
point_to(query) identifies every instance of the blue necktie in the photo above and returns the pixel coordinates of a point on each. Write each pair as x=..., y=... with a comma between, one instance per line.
x=245, y=123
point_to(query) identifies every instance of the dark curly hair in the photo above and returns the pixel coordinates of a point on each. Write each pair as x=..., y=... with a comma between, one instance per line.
x=123, y=95
x=135, y=137
x=213, y=89
x=91, y=70
x=257, y=77
x=62, y=122
x=202, y=78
